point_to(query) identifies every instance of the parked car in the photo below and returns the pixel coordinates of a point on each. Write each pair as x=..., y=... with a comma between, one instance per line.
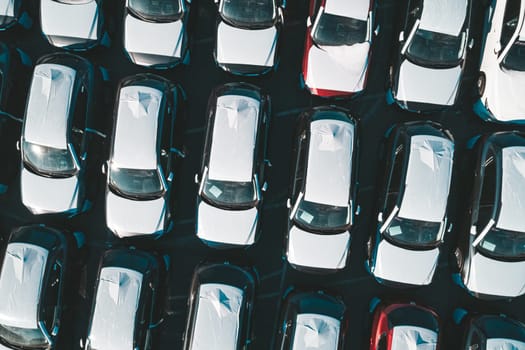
x=412, y=206
x=404, y=326
x=230, y=196
x=323, y=190
x=247, y=35
x=13, y=13
x=491, y=249
x=126, y=306
x=502, y=65
x=220, y=308
x=487, y=332
x=76, y=25
x=54, y=141
x=32, y=287
x=426, y=72
x=312, y=320
x=145, y=145
x=338, y=46
x=155, y=32
x=14, y=73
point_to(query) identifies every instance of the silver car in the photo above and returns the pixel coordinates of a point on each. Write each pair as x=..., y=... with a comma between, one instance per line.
x=412, y=207
x=54, y=140
x=73, y=24
x=247, y=34
x=140, y=169
x=12, y=13
x=155, y=32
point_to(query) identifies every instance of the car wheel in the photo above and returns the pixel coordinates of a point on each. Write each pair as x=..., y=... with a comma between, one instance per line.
x=480, y=84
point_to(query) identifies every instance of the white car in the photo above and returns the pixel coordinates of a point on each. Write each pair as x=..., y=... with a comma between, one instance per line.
x=12, y=13
x=73, y=24
x=323, y=190
x=426, y=73
x=338, y=46
x=247, y=35
x=412, y=212
x=155, y=32
x=502, y=70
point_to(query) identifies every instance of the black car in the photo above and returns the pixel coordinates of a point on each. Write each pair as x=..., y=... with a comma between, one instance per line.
x=145, y=145
x=323, y=186
x=233, y=166
x=13, y=14
x=126, y=304
x=221, y=304
x=429, y=58
x=311, y=319
x=56, y=134
x=491, y=248
x=412, y=207
x=36, y=269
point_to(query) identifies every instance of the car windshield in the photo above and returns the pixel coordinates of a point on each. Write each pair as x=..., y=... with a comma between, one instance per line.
x=48, y=161
x=23, y=336
x=515, y=58
x=155, y=10
x=322, y=217
x=413, y=232
x=503, y=244
x=249, y=13
x=136, y=183
x=332, y=30
x=435, y=49
x=229, y=194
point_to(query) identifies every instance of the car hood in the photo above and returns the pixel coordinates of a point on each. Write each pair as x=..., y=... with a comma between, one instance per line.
x=73, y=21
x=127, y=217
x=396, y=264
x=493, y=277
x=246, y=46
x=427, y=85
x=317, y=250
x=43, y=195
x=162, y=39
x=229, y=227
x=505, y=95
x=338, y=68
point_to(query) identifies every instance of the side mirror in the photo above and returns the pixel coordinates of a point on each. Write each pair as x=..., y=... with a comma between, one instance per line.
x=196, y=179
x=377, y=30
x=473, y=230
x=268, y=163
x=309, y=21
x=401, y=36
x=380, y=217
x=281, y=14
x=288, y=203
x=265, y=187
x=358, y=210
x=18, y=145
x=170, y=177
x=163, y=153
x=471, y=43
x=104, y=168
x=497, y=48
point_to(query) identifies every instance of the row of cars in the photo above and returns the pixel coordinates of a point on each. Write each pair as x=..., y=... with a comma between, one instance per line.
x=37, y=269
x=425, y=72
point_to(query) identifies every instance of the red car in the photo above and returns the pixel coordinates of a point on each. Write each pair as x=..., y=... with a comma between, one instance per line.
x=404, y=326
x=338, y=45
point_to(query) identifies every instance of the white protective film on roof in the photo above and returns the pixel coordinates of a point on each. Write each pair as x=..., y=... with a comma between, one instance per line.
x=329, y=169
x=314, y=331
x=135, y=142
x=512, y=190
x=116, y=304
x=428, y=178
x=357, y=9
x=233, y=139
x=217, y=320
x=20, y=284
x=444, y=16
x=413, y=338
x=48, y=106
x=504, y=344
x=7, y=8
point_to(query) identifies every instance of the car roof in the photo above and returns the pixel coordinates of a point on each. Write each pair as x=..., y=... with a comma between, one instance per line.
x=428, y=177
x=48, y=107
x=357, y=9
x=512, y=189
x=136, y=129
x=413, y=337
x=329, y=169
x=21, y=283
x=116, y=303
x=217, y=316
x=315, y=331
x=444, y=16
x=234, y=137
x=502, y=343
